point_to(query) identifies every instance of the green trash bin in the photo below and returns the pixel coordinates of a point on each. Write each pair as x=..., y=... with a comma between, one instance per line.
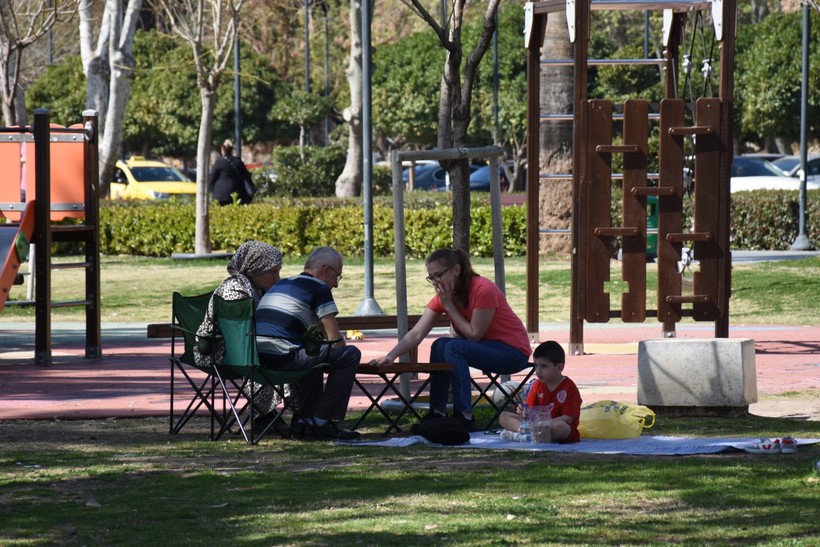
x=651, y=224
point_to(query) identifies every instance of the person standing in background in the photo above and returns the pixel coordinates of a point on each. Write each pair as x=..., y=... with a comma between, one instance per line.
x=230, y=176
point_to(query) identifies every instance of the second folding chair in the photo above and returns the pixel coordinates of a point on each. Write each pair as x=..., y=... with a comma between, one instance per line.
x=197, y=384
x=240, y=372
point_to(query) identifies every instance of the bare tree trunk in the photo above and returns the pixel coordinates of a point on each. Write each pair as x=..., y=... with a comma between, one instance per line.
x=455, y=100
x=214, y=20
x=96, y=63
x=202, y=243
x=121, y=71
x=20, y=106
x=9, y=72
x=349, y=182
x=453, y=119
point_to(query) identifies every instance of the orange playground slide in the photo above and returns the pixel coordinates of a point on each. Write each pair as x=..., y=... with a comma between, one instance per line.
x=14, y=245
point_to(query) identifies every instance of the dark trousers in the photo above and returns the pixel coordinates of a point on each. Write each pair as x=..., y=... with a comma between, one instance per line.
x=328, y=401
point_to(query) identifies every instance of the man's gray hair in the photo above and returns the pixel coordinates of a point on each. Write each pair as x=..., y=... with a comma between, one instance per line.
x=323, y=256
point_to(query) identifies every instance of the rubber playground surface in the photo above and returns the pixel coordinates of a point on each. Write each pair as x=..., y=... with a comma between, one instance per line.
x=132, y=377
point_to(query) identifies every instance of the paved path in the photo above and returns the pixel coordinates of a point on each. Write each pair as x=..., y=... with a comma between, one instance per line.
x=132, y=377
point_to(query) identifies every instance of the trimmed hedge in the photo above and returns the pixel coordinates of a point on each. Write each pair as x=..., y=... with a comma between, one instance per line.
x=760, y=221
x=297, y=226
x=768, y=220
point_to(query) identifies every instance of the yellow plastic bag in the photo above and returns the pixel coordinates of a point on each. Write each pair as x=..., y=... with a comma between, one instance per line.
x=614, y=420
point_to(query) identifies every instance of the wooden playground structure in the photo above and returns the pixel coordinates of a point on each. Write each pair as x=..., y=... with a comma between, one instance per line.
x=601, y=130
x=62, y=182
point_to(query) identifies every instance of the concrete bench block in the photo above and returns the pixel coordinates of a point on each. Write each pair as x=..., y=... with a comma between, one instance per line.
x=715, y=372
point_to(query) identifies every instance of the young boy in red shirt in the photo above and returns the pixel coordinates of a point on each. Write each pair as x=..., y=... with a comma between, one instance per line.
x=554, y=391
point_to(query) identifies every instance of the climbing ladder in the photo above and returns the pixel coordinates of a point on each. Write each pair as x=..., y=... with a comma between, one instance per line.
x=56, y=169
x=596, y=140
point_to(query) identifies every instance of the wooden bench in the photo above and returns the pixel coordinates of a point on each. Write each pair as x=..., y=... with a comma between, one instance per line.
x=384, y=322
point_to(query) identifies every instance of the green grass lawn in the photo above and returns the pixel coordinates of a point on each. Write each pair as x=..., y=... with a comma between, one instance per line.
x=127, y=482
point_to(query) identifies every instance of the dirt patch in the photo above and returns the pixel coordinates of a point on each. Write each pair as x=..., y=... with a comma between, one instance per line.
x=799, y=408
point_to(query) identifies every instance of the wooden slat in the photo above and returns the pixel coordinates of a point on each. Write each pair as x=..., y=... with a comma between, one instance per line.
x=401, y=368
x=690, y=299
x=670, y=209
x=618, y=149
x=694, y=130
x=633, y=261
x=616, y=231
x=598, y=198
x=653, y=191
x=690, y=236
x=707, y=208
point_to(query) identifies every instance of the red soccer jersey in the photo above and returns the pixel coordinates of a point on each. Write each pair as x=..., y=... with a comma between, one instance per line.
x=564, y=401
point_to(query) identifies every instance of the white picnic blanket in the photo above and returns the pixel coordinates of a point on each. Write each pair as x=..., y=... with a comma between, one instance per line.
x=645, y=445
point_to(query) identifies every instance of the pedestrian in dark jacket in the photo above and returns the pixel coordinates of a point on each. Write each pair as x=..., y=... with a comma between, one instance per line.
x=230, y=176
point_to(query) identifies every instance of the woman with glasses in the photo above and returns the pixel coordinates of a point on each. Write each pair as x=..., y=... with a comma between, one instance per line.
x=490, y=336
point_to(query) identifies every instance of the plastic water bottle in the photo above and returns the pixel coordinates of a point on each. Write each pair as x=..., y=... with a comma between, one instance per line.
x=525, y=428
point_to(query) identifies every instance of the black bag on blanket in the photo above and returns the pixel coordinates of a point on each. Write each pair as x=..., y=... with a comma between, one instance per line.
x=447, y=431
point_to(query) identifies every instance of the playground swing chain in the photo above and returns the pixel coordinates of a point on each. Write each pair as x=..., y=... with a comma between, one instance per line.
x=706, y=69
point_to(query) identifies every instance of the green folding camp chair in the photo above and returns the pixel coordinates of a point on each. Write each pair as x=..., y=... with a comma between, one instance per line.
x=198, y=389
x=234, y=321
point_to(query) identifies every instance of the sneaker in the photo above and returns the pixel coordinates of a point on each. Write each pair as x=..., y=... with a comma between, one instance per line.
x=432, y=415
x=468, y=423
x=764, y=446
x=788, y=445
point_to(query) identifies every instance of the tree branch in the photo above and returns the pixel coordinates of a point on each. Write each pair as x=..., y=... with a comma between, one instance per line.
x=416, y=7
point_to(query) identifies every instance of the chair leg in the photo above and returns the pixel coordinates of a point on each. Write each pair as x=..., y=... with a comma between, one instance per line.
x=375, y=401
x=508, y=400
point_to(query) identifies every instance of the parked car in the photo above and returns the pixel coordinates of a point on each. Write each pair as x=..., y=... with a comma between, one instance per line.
x=791, y=165
x=759, y=174
x=480, y=179
x=138, y=178
x=748, y=166
x=429, y=177
x=770, y=156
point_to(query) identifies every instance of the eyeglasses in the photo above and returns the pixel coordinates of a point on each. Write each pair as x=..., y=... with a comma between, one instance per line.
x=436, y=277
x=338, y=273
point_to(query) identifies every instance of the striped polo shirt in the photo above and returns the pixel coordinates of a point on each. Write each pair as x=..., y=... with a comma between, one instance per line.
x=288, y=309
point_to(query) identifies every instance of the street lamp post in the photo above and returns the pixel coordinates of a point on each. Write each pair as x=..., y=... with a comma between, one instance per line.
x=307, y=47
x=802, y=243
x=325, y=9
x=369, y=306
x=237, y=111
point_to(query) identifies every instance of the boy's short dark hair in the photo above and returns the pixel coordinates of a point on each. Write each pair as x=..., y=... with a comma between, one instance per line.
x=552, y=351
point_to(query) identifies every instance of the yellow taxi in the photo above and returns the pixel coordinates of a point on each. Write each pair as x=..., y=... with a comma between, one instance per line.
x=138, y=178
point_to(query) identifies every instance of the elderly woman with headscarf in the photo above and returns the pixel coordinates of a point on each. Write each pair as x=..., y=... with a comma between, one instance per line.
x=253, y=269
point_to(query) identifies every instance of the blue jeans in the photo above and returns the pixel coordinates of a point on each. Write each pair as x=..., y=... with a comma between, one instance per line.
x=485, y=355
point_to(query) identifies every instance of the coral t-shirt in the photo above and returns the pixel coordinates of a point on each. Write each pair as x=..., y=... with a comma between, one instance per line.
x=505, y=326
x=564, y=401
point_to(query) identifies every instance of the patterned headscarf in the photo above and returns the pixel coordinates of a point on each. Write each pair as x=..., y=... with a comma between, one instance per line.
x=254, y=258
